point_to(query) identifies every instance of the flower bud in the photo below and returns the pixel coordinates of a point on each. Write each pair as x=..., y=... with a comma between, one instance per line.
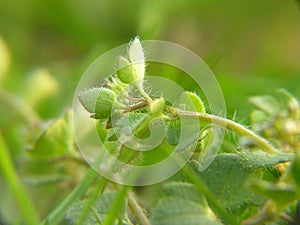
x=126, y=72
x=99, y=101
x=157, y=107
x=136, y=57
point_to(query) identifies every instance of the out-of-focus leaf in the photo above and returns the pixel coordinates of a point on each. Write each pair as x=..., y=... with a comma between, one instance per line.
x=266, y=104
x=56, y=140
x=282, y=194
x=258, y=116
x=182, y=204
x=4, y=59
x=296, y=172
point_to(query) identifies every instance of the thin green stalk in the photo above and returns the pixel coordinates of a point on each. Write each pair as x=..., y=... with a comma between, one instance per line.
x=116, y=205
x=59, y=212
x=137, y=209
x=230, y=125
x=143, y=93
x=27, y=210
x=214, y=203
x=85, y=211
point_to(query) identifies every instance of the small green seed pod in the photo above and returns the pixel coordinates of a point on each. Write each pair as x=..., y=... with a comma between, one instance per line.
x=126, y=71
x=99, y=101
x=157, y=106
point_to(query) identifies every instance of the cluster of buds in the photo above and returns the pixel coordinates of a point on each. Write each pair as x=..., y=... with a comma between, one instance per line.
x=101, y=100
x=277, y=121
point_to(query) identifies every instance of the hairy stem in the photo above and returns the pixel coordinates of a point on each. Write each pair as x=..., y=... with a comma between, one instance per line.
x=134, y=205
x=143, y=93
x=230, y=125
x=88, y=206
x=116, y=205
x=26, y=208
x=58, y=214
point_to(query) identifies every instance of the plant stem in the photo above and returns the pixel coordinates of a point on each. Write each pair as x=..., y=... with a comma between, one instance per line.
x=143, y=93
x=27, y=210
x=59, y=212
x=230, y=125
x=116, y=205
x=85, y=211
x=142, y=218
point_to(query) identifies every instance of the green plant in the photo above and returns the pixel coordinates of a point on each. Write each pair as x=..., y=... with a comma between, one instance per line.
x=238, y=187
x=251, y=181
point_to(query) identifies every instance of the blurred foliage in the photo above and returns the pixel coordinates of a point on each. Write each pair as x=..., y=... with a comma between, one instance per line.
x=45, y=46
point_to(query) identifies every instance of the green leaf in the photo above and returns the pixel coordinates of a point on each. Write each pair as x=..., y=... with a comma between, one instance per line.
x=56, y=140
x=260, y=159
x=98, y=211
x=227, y=174
x=182, y=204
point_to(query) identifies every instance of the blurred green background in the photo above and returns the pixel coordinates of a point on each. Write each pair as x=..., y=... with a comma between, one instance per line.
x=253, y=47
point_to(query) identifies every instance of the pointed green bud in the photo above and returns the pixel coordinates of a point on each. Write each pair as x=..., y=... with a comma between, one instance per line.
x=136, y=57
x=157, y=107
x=99, y=101
x=192, y=102
x=126, y=72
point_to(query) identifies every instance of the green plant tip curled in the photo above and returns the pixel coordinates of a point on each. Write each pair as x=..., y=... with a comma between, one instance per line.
x=192, y=102
x=99, y=101
x=157, y=107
